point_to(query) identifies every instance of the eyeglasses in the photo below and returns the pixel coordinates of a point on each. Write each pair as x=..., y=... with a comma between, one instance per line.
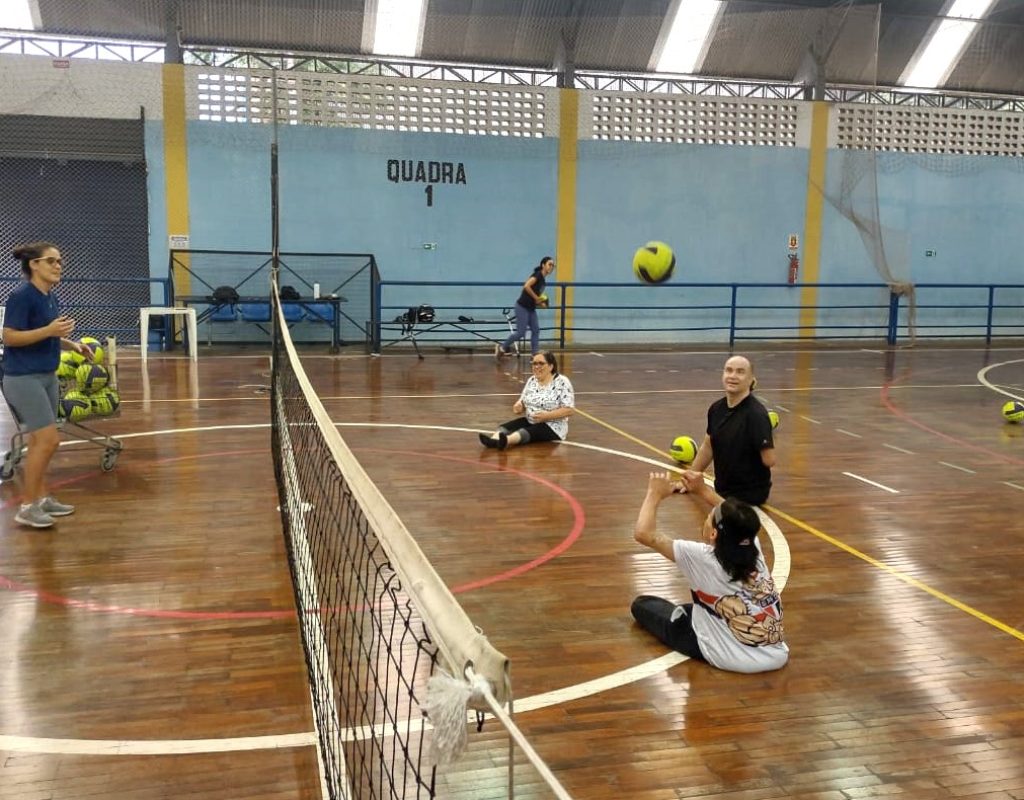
x=538, y=363
x=51, y=260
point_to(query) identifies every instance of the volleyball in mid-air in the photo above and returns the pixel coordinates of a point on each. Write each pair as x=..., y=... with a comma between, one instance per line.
x=654, y=262
x=683, y=449
x=1013, y=411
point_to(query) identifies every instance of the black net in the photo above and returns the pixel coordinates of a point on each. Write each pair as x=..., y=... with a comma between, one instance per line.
x=368, y=651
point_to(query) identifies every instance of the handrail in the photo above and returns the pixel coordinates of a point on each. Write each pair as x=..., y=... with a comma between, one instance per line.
x=755, y=311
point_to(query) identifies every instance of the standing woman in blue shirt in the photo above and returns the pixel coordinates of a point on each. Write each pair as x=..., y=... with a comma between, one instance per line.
x=526, y=308
x=34, y=334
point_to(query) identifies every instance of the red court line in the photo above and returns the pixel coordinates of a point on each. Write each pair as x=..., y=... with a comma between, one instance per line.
x=894, y=409
x=579, y=521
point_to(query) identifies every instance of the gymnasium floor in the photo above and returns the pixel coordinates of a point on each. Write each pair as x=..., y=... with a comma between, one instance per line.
x=149, y=644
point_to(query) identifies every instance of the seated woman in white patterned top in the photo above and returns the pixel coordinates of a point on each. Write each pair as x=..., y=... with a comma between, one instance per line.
x=545, y=406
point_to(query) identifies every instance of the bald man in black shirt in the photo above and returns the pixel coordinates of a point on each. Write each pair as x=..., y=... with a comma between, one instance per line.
x=739, y=438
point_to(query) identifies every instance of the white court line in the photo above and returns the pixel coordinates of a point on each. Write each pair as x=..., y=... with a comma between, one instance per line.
x=591, y=393
x=900, y=449
x=1014, y=485
x=849, y=433
x=962, y=469
x=27, y=744
x=809, y=419
x=599, y=355
x=865, y=480
x=984, y=381
x=153, y=747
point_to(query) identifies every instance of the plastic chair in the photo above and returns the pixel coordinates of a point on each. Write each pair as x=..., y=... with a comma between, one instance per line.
x=254, y=312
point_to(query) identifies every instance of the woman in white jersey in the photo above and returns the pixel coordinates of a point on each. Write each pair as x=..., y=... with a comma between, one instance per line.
x=735, y=619
x=545, y=405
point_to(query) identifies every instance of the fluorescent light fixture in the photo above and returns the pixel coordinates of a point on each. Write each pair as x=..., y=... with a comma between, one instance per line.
x=689, y=33
x=939, y=53
x=16, y=14
x=399, y=27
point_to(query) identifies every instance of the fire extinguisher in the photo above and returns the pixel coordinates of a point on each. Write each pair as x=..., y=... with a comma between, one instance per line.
x=794, y=267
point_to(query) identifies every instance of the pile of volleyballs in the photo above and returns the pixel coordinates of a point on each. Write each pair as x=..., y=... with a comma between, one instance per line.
x=84, y=389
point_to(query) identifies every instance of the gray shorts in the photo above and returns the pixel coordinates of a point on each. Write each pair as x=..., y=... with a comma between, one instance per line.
x=33, y=399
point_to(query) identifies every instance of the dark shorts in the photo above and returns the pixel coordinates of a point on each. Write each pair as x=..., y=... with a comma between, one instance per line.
x=33, y=399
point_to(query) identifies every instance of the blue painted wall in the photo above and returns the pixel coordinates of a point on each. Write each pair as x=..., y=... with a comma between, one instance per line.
x=727, y=212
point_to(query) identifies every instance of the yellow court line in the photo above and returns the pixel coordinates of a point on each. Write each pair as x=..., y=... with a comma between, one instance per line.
x=924, y=587
x=631, y=438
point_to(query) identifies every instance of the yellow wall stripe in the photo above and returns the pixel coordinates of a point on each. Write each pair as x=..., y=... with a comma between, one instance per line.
x=565, y=233
x=176, y=162
x=811, y=266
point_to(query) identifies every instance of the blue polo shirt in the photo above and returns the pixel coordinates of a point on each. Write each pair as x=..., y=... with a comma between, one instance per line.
x=27, y=310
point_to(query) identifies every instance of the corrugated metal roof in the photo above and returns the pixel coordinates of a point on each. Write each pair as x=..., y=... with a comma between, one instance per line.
x=866, y=42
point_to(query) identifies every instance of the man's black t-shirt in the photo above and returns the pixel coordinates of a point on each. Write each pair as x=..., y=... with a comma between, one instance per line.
x=738, y=435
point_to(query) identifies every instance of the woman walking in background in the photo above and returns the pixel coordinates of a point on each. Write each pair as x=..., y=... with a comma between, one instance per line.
x=526, y=308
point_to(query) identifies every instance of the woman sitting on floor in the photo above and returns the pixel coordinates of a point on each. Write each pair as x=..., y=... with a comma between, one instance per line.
x=547, y=402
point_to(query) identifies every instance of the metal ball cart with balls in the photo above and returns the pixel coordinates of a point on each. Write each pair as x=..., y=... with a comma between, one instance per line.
x=88, y=390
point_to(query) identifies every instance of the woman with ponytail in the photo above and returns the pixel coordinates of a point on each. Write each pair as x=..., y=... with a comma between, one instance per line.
x=735, y=620
x=530, y=299
x=34, y=333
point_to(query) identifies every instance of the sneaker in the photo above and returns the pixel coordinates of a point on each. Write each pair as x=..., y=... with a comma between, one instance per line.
x=502, y=441
x=498, y=352
x=33, y=516
x=56, y=509
x=487, y=441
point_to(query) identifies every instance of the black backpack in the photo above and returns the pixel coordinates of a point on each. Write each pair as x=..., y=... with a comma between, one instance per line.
x=289, y=293
x=225, y=295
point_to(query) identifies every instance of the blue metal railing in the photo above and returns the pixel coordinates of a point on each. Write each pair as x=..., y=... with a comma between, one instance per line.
x=680, y=313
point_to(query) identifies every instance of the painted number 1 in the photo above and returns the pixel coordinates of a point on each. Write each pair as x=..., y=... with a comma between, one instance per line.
x=429, y=189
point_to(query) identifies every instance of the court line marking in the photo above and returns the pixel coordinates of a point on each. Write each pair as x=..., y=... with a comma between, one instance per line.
x=984, y=381
x=901, y=576
x=1014, y=485
x=578, y=525
x=781, y=568
x=809, y=419
x=872, y=483
x=962, y=469
x=585, y=392
x=900, y=449
x=962, y=443
x=849, y=433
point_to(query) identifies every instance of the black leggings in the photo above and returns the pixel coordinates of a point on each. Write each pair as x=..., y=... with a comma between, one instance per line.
x=530, y=431
x=655, y=616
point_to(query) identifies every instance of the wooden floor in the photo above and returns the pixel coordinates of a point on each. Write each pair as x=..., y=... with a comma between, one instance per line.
x=160, y=616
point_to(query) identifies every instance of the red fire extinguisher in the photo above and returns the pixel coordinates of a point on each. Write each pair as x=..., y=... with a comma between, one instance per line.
x=794, y=267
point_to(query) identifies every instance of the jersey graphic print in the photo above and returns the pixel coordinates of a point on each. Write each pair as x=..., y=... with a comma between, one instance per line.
x=753, y=615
